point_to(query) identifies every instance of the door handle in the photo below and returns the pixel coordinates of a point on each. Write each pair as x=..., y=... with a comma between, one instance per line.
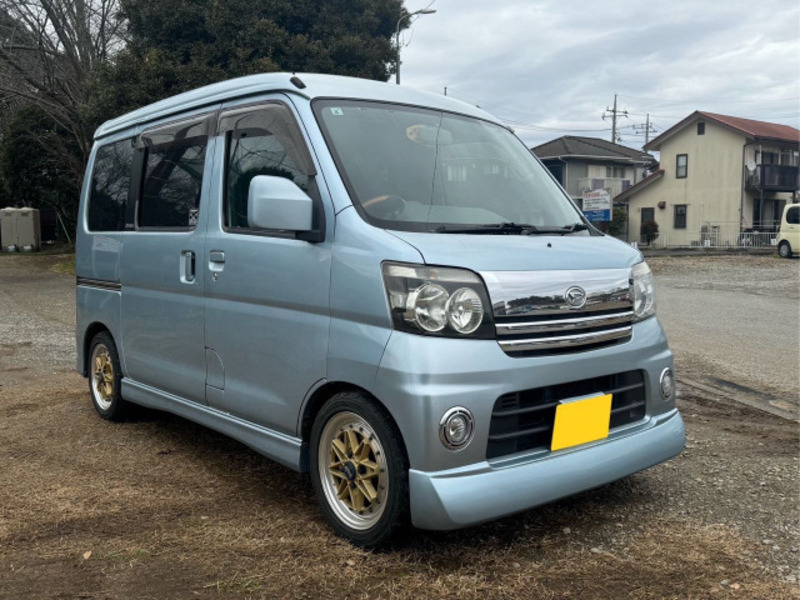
x=187, y=266
x=216, y=262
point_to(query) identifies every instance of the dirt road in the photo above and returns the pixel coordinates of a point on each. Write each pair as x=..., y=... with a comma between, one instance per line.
x=160, y=508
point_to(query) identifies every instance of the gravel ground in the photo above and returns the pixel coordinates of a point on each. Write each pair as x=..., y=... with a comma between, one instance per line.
x=161, y=508
x=37, y=328
x=733, y=323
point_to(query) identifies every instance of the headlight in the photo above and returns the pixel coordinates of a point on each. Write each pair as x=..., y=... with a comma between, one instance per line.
x=428, y=307
x=464, y=310
x=438, y=301
x=644, y=299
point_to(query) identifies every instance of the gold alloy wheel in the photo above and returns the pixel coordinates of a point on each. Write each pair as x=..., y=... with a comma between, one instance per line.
x=352, y=469
x=102, y=376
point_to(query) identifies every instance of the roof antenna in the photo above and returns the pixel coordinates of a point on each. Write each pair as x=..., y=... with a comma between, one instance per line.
x=298, y=83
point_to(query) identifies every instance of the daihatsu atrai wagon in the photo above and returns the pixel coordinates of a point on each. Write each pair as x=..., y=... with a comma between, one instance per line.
x=381, y=286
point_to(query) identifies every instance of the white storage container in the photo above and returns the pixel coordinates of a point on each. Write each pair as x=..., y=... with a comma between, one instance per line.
x=20, y=229
x=8, y=229
x=29, y=231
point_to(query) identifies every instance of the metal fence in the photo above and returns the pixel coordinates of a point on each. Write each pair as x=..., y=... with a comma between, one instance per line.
x=714, y=235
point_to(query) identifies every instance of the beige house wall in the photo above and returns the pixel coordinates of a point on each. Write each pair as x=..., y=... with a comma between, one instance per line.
x=712, y=189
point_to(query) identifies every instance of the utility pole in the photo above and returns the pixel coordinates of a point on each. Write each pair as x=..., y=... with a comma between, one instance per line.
x=614, y=114
x=445, y=90
x=647, y=128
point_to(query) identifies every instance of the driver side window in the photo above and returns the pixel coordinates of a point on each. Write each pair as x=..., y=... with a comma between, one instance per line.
x=262, y=141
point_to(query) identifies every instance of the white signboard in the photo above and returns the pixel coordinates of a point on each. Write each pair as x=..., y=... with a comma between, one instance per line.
x=597, y=205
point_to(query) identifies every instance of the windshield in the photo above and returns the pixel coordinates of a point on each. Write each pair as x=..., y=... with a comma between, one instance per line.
x=417, y=169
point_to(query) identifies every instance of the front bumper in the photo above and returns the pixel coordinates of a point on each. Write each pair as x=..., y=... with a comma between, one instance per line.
x=484, y=491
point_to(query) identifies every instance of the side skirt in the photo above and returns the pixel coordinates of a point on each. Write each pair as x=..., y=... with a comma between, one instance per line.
x=277, y=446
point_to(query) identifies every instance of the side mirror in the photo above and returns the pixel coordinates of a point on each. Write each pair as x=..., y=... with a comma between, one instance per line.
x=277, y=203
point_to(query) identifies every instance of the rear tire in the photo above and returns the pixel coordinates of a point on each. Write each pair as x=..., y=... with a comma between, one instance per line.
x=359, y=469
x=784, y=249
x=105, y=378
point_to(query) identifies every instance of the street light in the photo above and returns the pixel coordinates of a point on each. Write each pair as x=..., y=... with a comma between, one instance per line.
x=423, y=11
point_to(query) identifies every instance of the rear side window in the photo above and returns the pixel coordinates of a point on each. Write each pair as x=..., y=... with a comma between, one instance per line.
x=793, y=215
x=260, y=141
x=173, y=175
x=109, y=209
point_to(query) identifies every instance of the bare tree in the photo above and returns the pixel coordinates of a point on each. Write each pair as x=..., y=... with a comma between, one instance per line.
x=48, y=49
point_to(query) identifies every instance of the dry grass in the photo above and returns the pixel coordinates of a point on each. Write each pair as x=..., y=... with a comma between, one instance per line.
x=171, y=510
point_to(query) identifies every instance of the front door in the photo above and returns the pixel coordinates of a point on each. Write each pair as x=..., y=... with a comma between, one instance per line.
x=267, y=316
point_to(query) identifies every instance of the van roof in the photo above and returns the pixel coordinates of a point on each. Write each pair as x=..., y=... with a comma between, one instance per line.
x=317, y=86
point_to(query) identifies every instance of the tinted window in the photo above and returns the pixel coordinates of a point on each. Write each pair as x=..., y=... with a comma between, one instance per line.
x=173, y=176
x=111, y=178
x=793, y=215
x=262, y=141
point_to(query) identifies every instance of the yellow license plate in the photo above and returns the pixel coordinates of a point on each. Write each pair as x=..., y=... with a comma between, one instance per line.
x=581, y=421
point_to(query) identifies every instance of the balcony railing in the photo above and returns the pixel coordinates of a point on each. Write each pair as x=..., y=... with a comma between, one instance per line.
x=774, y=178
x=613, y=186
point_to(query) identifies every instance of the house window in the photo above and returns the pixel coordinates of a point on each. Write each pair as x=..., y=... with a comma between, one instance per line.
x=767, y=158
x=680, y=216
x=681, y=166
x=615, y=172
x=701, y=128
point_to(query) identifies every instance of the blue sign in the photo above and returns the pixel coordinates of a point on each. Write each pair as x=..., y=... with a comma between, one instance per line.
x=596, y=216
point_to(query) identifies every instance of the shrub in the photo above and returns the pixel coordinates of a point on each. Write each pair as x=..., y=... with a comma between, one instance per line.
x=650, y=231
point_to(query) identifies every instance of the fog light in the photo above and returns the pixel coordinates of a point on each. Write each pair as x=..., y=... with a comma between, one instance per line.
x=455, y=428
x=667, y=384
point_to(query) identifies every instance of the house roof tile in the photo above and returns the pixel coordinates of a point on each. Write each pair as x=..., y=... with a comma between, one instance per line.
x=757, y=130
x=574, y=146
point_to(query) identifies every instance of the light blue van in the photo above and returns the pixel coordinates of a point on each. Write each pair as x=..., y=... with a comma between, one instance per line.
x=381, y=286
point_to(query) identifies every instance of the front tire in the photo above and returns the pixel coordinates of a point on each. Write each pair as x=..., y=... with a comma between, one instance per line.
x=359, y=469
x=105, y=378
x=784, y=249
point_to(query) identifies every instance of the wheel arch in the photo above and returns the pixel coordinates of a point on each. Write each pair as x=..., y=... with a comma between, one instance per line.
x=91, y=331
x=318, y=398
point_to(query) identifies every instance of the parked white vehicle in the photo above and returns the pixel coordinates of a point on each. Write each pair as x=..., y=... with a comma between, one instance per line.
x=789, y=232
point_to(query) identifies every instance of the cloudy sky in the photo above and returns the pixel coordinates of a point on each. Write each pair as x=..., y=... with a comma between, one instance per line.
x=550, y=68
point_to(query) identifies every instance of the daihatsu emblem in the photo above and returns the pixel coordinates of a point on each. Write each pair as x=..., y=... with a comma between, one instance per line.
x=575, y=296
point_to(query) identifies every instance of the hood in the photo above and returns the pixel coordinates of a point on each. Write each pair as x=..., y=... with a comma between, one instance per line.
x=520, y=252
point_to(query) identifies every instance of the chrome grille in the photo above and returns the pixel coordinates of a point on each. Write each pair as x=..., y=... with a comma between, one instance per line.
x=533, y=314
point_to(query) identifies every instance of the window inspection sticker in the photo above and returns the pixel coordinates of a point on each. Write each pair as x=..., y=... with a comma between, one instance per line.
x=336, y=111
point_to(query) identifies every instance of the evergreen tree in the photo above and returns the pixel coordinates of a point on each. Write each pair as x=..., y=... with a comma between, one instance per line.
x=177, y=45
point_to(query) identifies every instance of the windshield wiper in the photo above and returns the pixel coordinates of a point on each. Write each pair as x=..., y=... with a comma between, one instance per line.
x=513, y=229
x=557, y=230
x=491, y=229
